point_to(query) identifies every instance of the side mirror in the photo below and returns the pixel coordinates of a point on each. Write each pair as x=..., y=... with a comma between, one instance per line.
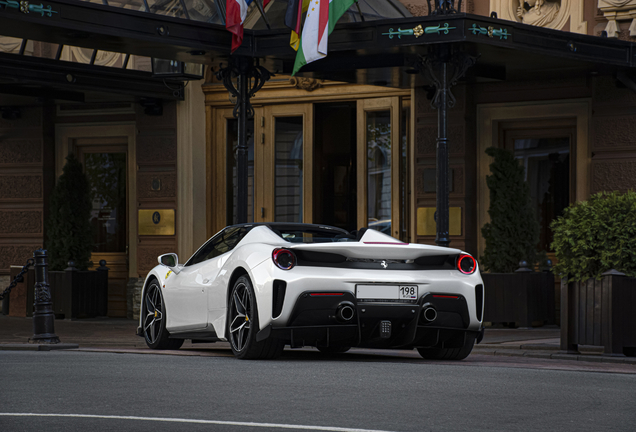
x=170, y=260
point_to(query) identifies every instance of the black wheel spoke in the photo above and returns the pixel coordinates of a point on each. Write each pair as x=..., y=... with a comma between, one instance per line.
x=239, y=319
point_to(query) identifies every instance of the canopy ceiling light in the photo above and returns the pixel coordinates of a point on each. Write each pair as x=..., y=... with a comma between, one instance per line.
x=177, y=70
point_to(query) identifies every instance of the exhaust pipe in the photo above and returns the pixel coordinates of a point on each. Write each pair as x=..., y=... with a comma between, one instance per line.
x=429, y=313
x=345, y=312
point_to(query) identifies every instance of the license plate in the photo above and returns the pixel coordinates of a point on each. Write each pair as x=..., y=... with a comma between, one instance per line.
x=393, y=293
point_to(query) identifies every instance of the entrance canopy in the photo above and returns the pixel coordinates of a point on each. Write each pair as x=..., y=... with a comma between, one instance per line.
x=363, y=50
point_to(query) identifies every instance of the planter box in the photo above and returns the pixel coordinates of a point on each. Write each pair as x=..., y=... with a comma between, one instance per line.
x=522, y=298
x=599, y=312
x=75, y=294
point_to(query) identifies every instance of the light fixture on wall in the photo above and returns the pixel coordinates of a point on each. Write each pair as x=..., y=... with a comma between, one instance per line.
x=176, y=70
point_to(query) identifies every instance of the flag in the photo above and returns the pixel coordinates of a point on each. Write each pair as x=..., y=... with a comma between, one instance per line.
x=322, y=17
x=236, y=11
x=293, y=19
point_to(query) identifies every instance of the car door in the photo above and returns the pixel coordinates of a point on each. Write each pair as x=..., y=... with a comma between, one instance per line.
x=189, y=291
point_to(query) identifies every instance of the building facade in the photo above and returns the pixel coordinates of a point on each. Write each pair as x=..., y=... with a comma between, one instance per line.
x=321, y=151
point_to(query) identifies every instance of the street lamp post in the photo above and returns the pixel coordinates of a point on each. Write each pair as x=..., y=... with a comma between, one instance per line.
x=250, y=78
x=443, y=66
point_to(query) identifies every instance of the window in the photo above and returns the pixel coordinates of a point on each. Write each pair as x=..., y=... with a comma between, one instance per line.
x=223, y=242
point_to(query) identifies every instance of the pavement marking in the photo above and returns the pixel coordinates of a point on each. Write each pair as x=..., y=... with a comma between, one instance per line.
x=181, y=420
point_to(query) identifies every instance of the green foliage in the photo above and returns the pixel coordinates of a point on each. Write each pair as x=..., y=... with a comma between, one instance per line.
x=597, y=235
x=69, y=234
x=512, y=234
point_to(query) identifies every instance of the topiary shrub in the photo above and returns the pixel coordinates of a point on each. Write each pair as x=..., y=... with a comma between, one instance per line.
x=595, y=236
x=69, y=233
x=512, y=234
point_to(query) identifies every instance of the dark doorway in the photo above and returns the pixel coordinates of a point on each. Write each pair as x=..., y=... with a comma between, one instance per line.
x=545, y=155
x=334, y=187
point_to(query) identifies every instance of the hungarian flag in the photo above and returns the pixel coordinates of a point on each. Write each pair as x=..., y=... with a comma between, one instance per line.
x=322, y=16
x=235, y=13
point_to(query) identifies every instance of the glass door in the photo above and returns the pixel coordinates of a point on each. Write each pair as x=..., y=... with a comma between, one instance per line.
x=378, y=171
x=106, y=169
x=284, y=160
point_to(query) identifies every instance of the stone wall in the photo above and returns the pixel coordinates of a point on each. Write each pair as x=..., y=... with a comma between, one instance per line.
x=613, y=143
x=27, y=166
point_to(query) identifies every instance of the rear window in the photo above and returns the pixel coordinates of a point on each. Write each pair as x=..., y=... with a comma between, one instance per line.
x=314, y=235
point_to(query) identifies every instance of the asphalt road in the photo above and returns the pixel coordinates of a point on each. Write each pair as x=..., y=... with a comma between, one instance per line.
x=307, y=392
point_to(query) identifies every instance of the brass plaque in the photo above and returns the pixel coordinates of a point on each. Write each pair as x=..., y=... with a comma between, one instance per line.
x=156, y=222
x=426, y=221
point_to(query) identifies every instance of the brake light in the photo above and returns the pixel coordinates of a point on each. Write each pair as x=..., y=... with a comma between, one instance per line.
x=284, y=259
x=466, y=264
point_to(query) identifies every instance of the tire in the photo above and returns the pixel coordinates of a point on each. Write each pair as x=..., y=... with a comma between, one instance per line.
x=334, y=349
x=154, y=323
x=242, y=325
x=449, y=353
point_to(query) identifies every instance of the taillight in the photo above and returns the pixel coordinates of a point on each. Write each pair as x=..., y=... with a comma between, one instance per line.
x=284, y=259
x=466, y=264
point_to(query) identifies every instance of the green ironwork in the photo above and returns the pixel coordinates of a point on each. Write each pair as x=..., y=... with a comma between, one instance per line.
x=419, y=31
x=25, y=7
x=490, y=31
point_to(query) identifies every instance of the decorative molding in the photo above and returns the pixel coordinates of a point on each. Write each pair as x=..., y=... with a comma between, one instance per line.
x=280, y=89
x=21, y=222
x=168, y=185
x=24, y=7
x=618, y=10
x=418, y=31
x=20, y=186
x=613, y=175
x=490, y=31
x=308, y=84
x=554, y=14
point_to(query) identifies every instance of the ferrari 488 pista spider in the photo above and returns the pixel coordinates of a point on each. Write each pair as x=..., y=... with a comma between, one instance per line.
x=263, y=286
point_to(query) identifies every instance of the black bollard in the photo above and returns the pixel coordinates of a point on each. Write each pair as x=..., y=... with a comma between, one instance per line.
x=43, y=317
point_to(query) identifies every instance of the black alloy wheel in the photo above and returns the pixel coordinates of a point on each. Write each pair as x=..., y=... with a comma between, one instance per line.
x=242, y=325
x=154, y=320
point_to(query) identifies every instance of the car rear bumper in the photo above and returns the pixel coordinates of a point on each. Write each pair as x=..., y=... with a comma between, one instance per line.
x=315, y=321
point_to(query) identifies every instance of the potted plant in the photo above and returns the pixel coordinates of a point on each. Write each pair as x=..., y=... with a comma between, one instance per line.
x=595, y=245
x=513, y=294
x=75, y=291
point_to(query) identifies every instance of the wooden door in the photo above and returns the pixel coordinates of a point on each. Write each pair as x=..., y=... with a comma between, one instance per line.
x=378, y=126
x=284, y=160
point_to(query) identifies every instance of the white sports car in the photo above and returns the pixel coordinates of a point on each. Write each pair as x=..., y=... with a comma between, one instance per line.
x=264, y=286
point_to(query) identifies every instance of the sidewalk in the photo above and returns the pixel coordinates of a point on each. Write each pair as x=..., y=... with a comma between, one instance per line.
x=118, y=335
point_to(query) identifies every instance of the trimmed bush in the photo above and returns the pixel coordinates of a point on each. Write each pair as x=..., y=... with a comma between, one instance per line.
x=595, y=236
x=69, y=233
x=512, y=234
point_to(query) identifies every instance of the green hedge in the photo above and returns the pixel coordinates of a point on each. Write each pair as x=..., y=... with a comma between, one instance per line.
x=512, y=234
x=69, y=233
x=595, y=236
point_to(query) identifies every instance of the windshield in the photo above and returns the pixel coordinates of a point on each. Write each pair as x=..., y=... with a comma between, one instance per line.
x=313, y=234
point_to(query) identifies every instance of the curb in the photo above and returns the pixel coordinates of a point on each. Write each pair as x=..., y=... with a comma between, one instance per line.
x=37, y=347
x=549, y=353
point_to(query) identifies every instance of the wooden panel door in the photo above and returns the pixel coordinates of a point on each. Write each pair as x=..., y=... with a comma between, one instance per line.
x=378, y=125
